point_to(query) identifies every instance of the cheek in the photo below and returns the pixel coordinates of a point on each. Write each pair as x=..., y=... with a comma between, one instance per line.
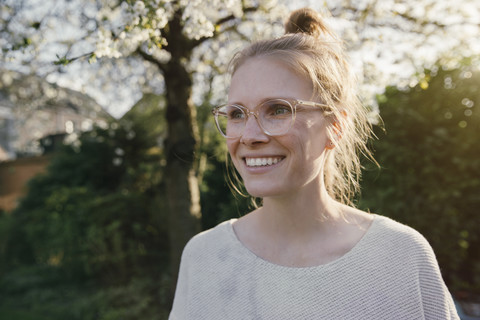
x=310, y=141
x=232, y=146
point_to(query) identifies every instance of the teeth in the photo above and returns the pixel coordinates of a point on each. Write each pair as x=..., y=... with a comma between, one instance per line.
x=258, y=162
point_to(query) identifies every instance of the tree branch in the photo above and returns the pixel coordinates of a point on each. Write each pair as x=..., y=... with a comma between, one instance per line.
x=231, y=17
x=405, y=16
x=150, y=58
x=220, y=22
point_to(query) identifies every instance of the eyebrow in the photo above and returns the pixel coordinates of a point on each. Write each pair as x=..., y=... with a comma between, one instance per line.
x=264, y=100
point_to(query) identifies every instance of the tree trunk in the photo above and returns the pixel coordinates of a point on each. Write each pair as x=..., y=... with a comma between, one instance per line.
x=180, y=177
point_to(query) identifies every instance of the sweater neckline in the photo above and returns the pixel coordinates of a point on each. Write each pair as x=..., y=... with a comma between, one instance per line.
x=356, y=249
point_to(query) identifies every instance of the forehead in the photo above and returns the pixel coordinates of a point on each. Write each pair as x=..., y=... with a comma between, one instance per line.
x=261, y=78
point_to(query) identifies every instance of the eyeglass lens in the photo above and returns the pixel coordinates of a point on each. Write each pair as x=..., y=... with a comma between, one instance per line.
x=275, y=117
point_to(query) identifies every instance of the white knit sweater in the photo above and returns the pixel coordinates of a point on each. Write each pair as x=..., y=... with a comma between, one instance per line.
x=392, y=273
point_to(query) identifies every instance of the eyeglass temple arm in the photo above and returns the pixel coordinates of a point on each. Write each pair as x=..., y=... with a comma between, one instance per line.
x=325, y=107
x=216, y=111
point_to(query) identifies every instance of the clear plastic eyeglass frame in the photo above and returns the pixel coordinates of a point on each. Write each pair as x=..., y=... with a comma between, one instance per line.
x=272, y=125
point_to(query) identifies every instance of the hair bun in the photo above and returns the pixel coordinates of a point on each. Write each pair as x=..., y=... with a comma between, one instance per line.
x=307, y=21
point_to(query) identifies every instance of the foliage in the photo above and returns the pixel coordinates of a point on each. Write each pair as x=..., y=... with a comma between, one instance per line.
x=218, y=202
x=19, y=315
x=430, y=175
x=88, y=241
x=5, y=225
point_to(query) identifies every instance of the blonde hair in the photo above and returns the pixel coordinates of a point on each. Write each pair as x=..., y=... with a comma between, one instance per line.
x=312, y=50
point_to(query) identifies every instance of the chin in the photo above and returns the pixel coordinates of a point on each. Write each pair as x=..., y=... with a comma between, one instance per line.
x=262, y=191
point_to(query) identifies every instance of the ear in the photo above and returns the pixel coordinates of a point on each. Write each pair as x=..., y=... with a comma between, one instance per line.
x=329, y=145
x=337, y=129
x=339, y=123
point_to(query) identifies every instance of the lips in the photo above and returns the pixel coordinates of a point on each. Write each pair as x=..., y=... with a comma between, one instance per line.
x=262, y=162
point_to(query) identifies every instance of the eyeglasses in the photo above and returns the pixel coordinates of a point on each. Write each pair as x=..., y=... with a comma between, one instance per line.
x=275, y=117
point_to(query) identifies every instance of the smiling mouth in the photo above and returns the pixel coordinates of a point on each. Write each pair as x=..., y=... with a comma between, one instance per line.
x=261, y=162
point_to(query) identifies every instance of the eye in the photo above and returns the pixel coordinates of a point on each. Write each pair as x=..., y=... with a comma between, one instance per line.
x=235, y=113
x=277, y=109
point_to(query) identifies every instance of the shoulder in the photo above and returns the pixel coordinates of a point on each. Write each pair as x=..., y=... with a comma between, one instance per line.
x=397, y=230
x=208, y=240
x=409, y=251
x=401, y=238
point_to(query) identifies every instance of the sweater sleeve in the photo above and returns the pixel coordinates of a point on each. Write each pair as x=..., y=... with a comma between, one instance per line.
x=436, y=299
x=180, y=301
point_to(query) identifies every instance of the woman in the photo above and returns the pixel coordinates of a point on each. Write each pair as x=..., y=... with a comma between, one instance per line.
x=294, y=128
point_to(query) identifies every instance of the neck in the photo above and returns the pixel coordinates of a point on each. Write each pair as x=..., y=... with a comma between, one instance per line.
x=302, y=214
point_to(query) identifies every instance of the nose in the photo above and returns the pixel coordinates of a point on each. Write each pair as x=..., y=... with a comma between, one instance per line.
x=253, y=133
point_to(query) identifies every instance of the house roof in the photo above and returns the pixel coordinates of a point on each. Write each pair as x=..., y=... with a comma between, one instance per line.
x=32, y=108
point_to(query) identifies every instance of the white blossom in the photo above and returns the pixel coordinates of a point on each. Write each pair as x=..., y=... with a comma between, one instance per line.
x=161, y=55
x=384, y=48
x=162, y=17
x=139, y=8
x=196, y=24
x=106, y=46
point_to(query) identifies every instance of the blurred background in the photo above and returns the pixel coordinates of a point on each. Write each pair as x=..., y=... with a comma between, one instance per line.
x=110, y=161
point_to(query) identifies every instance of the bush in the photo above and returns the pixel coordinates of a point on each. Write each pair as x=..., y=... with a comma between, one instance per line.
x=430, y=175
x=88, y=241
